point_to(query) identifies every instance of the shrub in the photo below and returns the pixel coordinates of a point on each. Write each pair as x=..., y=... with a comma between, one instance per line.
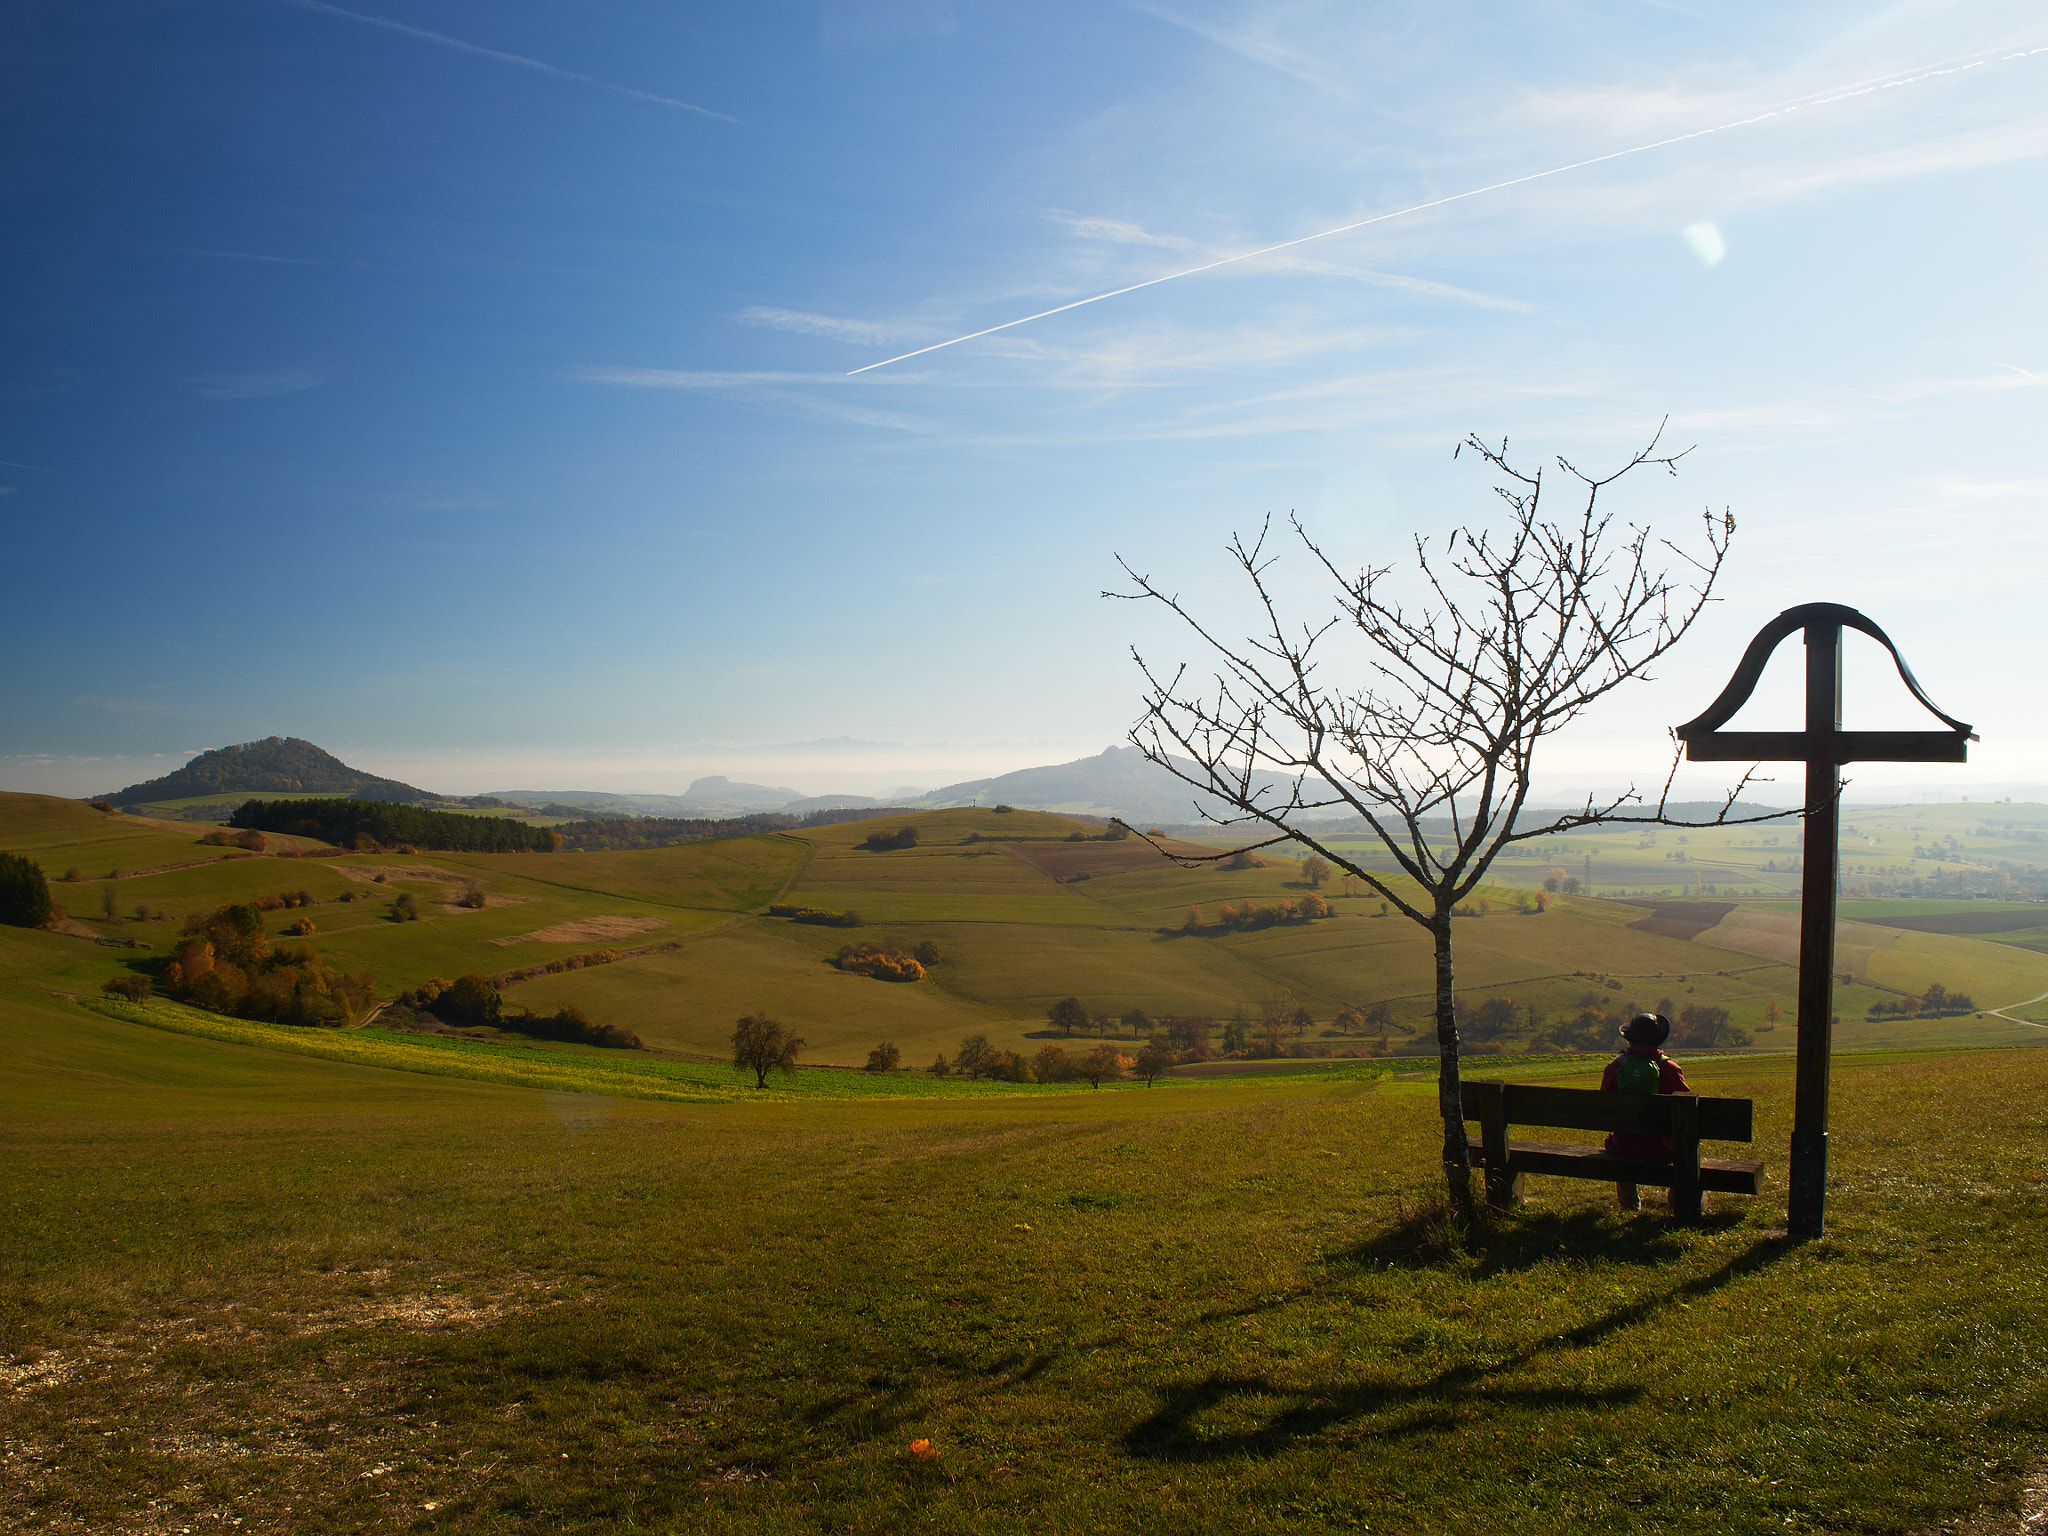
x=473, y=896
x=884, y=1058
x=226, y=965
x=816, y=915
x=134, y=988
x=927, y=954
x=23, y=891
x=1004, y=810
x=883, y=962
x=74, y=876
x=303, y=928
x=884, y=842
x=406, y=909
x=941, y=1067
x=470, y=999
x=569, y=1023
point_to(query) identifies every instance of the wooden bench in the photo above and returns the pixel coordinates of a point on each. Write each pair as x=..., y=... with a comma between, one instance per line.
x=1686, y=1118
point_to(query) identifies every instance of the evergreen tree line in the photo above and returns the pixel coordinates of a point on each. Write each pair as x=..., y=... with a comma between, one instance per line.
x=597, y=834
x=24, y=893
x=352, y=823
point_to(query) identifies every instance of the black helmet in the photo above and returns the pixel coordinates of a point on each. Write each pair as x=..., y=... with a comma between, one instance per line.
x=1651, y=1029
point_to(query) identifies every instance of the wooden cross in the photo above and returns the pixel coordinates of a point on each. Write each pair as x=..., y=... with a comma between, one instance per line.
x=1824, y=746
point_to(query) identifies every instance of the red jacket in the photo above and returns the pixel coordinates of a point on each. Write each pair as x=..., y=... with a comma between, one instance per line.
x=1670, y=1079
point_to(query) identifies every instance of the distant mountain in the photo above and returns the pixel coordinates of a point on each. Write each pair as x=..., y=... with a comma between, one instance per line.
x=276, y=764
x=716, y=796
x=1116, y=782
x=720, y=792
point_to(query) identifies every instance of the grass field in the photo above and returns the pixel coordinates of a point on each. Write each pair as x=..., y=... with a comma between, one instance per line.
x=1023, y=916
x=253, y=1289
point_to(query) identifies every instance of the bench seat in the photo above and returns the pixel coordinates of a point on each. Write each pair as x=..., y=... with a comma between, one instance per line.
x=1684, y=1118
x=1725, y=1175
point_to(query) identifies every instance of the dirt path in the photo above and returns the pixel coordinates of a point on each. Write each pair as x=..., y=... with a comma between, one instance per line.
x=2000, y=1013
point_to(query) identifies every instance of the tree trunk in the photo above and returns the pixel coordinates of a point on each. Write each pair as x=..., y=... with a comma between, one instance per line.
x=1450, y=1097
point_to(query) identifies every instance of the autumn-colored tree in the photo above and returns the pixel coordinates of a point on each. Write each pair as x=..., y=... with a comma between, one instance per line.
x=1103, y=1064
x=1315, y=870
x=761, y=1045
x=1051, y=1065
x=1188, y=1034
x=1155, y=1057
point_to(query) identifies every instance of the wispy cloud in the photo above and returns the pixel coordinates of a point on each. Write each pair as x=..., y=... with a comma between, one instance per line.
x=258, y=386
x=1119, y=231
x=1422, y=287
x=769, y=390
x=864, y=332
x=187, y=250
x=1248, y=39
x=504, y=58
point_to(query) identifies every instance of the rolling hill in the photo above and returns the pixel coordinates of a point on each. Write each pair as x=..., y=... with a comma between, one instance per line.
x=276, y=764
x=1024, y=907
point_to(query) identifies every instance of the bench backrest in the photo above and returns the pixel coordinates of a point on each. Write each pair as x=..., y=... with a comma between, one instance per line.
x=1588, y=1109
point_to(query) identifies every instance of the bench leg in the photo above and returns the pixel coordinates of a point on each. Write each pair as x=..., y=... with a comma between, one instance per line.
x=1503, y=1188
x=1626, y=1198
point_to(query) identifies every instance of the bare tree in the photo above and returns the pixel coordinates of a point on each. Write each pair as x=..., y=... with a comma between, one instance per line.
x=762, y=1045
x=1517, y=632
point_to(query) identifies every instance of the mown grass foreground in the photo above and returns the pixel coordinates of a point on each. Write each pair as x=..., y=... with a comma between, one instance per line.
x=306, y=1295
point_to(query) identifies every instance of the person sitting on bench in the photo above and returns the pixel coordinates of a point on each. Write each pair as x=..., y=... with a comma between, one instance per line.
x=1642, y=1068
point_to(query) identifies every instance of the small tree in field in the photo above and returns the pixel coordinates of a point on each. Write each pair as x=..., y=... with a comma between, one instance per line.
x=1154, y=1058
x=1105, y=1061
x=1316, y=871
x=1068, y=1015
x=885, y=1057
x=1511, y=633
x=761, y=1045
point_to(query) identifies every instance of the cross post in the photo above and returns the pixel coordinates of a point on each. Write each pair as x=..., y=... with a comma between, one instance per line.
x=1824, y=746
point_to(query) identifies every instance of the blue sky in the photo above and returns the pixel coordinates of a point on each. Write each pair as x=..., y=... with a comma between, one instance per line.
x=465, y=386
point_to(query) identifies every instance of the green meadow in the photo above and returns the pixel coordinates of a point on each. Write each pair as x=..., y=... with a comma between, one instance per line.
x=296, y=1280
x=257, y=1289
x=1023, y=916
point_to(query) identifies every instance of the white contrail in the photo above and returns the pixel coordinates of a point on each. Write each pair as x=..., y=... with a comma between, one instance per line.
x=1815, y=99
x=503, y=58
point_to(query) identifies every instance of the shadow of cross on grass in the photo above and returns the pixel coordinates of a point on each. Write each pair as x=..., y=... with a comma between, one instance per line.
x=888, y=1400
x=1173, y=1432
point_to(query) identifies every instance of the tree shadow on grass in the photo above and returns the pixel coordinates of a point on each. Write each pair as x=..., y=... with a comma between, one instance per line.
x=1172, y=1432
x=1487, y=1243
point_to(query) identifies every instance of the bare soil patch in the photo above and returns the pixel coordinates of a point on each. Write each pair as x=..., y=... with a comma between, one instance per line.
x=491, y=899
x=1681, y=919
x=1063, y=861
x=583, y=929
